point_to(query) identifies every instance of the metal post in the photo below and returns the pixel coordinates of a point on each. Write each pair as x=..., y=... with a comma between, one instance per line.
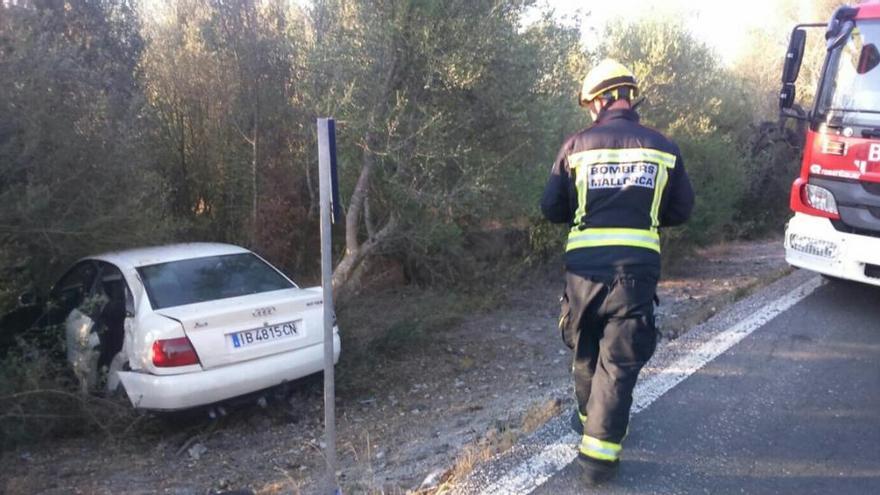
x=326, y=141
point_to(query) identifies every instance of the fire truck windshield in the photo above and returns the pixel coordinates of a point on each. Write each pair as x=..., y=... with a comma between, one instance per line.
x=850, y=92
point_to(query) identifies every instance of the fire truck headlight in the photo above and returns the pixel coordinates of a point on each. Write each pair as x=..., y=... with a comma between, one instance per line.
x=820, y=198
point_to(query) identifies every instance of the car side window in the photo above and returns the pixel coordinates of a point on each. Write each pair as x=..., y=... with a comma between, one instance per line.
x=113, y=286
x=72, y=288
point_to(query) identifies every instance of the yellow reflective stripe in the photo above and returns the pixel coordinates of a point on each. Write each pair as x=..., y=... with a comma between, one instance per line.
x=582, y=186
x=583, y=417
x=581, y=175
x=623, y=155
x=662, y=179
x=590, y=244
x=598, y=237
x=650, y=234
x=598, y=449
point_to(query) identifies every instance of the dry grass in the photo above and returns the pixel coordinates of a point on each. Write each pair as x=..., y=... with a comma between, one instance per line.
x=497, y=440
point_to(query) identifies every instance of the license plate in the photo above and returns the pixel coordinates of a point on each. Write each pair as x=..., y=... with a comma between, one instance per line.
x=263, y=335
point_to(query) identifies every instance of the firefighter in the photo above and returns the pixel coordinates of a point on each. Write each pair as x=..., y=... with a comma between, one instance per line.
x=615, y=184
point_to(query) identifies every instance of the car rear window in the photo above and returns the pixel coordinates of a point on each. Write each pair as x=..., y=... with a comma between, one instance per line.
x=207, y=279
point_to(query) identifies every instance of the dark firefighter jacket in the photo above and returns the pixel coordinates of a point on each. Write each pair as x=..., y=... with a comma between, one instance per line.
x=615, y=184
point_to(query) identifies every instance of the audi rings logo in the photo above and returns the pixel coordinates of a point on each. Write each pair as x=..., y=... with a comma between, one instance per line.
x=258, y=313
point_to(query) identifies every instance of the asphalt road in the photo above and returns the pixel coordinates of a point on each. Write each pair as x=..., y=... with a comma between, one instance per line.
x=792, y=408
x=778, y=393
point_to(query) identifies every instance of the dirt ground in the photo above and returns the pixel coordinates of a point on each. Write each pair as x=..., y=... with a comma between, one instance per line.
x=419, y=406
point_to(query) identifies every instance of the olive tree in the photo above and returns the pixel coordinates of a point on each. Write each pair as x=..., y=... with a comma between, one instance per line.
x=441, y=109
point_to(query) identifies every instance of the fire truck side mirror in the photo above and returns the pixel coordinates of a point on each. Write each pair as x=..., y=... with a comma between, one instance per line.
x=786, y=96
x=793, y=56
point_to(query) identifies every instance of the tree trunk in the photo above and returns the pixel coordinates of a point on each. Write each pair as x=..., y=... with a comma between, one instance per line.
x=358, y=196
x=354, y=251
x=353, y=259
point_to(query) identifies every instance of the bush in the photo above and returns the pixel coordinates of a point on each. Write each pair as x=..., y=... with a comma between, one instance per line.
x=715, y=165
x=39, y=399
x=774, y=163
x=545, y=239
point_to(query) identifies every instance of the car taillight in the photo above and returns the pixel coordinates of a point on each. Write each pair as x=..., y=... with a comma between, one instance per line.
x=167, y=353
x=820, y=198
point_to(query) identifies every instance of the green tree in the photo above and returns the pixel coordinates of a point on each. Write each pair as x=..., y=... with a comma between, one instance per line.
x=761, y=62
x=77, y=176
x=223, y=78
x=696, y=101
x=437, y=102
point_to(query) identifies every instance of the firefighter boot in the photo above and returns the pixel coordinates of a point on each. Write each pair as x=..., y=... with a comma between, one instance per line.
x=596, y=471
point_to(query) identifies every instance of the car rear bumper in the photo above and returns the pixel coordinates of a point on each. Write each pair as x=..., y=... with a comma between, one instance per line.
x=814, y=244
x=170, y=392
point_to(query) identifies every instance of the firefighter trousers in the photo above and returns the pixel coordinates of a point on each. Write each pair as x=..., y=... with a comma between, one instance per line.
x=609, y=323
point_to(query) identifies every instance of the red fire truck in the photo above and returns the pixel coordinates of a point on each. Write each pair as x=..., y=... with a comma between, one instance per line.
x=835, y=229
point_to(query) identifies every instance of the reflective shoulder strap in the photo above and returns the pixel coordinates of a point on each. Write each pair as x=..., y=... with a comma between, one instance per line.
x=667, y=164
x=578, y=163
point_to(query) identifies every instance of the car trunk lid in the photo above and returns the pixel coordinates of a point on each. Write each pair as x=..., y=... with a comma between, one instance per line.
x=233, y=330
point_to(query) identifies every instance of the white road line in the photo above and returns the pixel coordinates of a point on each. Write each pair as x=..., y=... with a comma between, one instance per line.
x=532, y=473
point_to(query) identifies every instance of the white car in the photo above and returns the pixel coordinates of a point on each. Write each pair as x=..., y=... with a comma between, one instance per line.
x=186, y=325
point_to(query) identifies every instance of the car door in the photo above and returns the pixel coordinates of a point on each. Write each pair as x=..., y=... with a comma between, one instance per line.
x=115, y=316
x=69, y=293
x=75, y=304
